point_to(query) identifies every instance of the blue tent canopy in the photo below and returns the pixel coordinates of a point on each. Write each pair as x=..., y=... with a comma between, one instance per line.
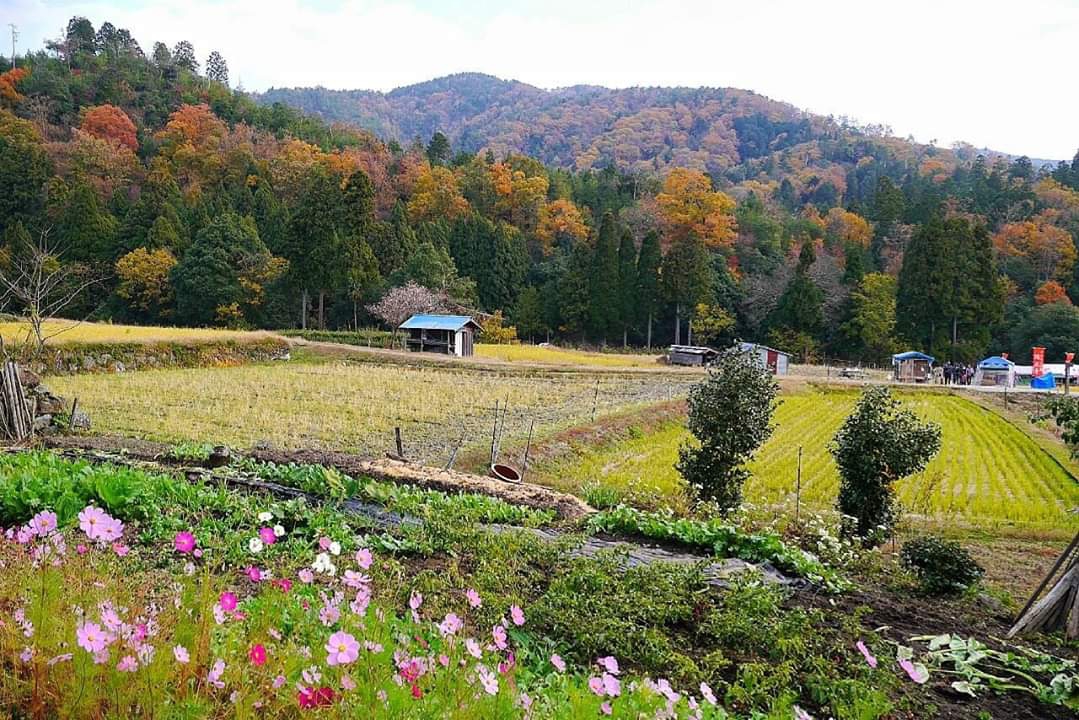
x=438, y=322
x=911, y=355
x=996, y=363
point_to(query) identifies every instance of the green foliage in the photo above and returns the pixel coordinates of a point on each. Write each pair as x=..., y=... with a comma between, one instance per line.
x=718, y=537
x=730, y=415
x=800, y=306
x=879, y=444
x=942, y=567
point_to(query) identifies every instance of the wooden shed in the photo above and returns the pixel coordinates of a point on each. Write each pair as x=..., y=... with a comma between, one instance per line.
x=776, y=361
x=446, y=334
x=692, y=355
x=912, y=366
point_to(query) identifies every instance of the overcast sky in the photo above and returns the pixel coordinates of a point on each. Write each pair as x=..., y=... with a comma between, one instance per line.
x=995, y=73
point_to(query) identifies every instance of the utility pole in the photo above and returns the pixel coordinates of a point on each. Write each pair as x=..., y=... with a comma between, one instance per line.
x=14, y=37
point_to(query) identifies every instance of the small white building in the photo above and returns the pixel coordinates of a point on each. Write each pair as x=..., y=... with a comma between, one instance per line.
x=776, y=361
x=446, y=334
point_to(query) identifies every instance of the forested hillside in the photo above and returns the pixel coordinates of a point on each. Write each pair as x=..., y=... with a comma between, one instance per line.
x=587, y=215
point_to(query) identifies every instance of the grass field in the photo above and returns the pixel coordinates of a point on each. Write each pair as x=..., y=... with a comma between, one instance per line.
x=350, y=406
x=563, y=356
x=67, y=332
x=988, y=470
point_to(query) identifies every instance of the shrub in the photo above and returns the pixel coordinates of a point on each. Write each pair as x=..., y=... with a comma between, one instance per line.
x=730, y=414
x=877, y=445
x=942, y=567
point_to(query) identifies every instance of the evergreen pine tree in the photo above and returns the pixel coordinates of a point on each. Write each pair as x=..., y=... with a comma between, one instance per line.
x=603, y=300
x=627, y=283
x=648, y=262
x=686, y=277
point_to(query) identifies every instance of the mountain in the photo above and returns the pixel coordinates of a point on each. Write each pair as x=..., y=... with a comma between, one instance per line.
x=579, y=127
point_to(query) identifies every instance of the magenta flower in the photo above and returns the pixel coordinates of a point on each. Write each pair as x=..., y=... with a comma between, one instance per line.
x=254, y=574
x=227, y=601
x=558, y=663
x=517, y=615
x=257, y=655
x=866, y=654
x=364, y=558
x=43, y=523
x=92, y=520
x=473, y=597
x=342, y=648
x=267, y=536
x=184, y=542
x=91, y=637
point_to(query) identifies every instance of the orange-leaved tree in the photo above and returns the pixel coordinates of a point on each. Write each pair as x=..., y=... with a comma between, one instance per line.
x=689, y=206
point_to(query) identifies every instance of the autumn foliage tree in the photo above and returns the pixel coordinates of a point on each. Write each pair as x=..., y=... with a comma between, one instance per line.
x=436, y=195
x=1050, y=292
x=144, y=280
x=689, y=206
x=1046, y=251
x=109, y=122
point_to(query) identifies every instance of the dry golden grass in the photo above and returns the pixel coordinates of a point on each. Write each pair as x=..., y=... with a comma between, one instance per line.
x=68, y=332
x=551, y=355
x=348, y=406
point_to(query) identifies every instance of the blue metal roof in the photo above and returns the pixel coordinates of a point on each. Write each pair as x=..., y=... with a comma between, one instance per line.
x=438, y=322
x=995, y=363
x=911, y=355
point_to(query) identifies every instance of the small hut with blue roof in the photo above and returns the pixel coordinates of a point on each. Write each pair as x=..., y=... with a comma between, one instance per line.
x=446, y=334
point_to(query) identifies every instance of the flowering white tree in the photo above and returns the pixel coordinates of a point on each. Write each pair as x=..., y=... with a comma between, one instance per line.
x=402, y=302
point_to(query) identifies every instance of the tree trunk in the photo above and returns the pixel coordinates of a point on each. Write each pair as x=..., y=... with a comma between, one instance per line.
x=625, y=333
x=678, y=324
x=689, y=332
x=355, y=316
x=303, y=309
x=649, y=329
x=321, y=309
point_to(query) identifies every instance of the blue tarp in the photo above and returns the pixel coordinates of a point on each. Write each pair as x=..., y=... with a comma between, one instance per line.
x=996, y=363
x=911, y=355
x=437, y=322
x=1045, y=382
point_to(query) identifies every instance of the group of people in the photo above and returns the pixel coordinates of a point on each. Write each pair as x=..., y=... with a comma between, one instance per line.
x=955, y=374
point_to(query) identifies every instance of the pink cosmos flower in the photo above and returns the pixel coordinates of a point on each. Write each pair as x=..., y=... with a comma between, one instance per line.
x=498, y=634
x=306, y=576
x=354, y=579
x=227, y=601
x=111, y=530
x=81, y=549
x=606, y=708
x=872, y=661
x=214, y=676
x=328, y=615
x=800, y=714
x=558, y=663
x=415, y=600
x=43, y=523
x=473, y=648
x=517, y=615
x=257, y=655
x=324, y=543
x=473, y=597
x=184, y=542
x=91, y=637
x=347, y=683
x=127, y=664
x=595, y=684
x=707, y=694
x=254, y=574
x=444, y=660
x=283, y=584
x=609, y=664
x=180, y=653
x=488, y=679
x=278, y=682
x=267, y=535
x=450, y=625
x=27, y=654
x=91, y=520
x=24, y=535
x=120, y=549
x=342, y=648
x=364, y=558
x=611, y=685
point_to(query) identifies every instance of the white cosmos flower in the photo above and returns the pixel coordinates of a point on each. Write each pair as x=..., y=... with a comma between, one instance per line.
x=335, y=547
x=254, y=545
x=265, y=516
x=279, y=530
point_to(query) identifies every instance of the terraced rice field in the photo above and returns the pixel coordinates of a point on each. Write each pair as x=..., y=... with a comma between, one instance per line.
x=988, y=470
x=350, y=406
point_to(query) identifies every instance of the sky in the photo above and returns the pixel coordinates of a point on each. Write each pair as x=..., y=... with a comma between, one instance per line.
x=994, y=73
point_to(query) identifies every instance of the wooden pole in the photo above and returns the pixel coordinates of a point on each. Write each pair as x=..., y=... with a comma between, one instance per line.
x=798, y=488
x=453, y=455
x=400, y=447
x=595, y=401
x=494, y=434
x=528, y=447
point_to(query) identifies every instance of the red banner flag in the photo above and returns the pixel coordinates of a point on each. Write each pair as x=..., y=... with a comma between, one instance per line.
x=1037, y=362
